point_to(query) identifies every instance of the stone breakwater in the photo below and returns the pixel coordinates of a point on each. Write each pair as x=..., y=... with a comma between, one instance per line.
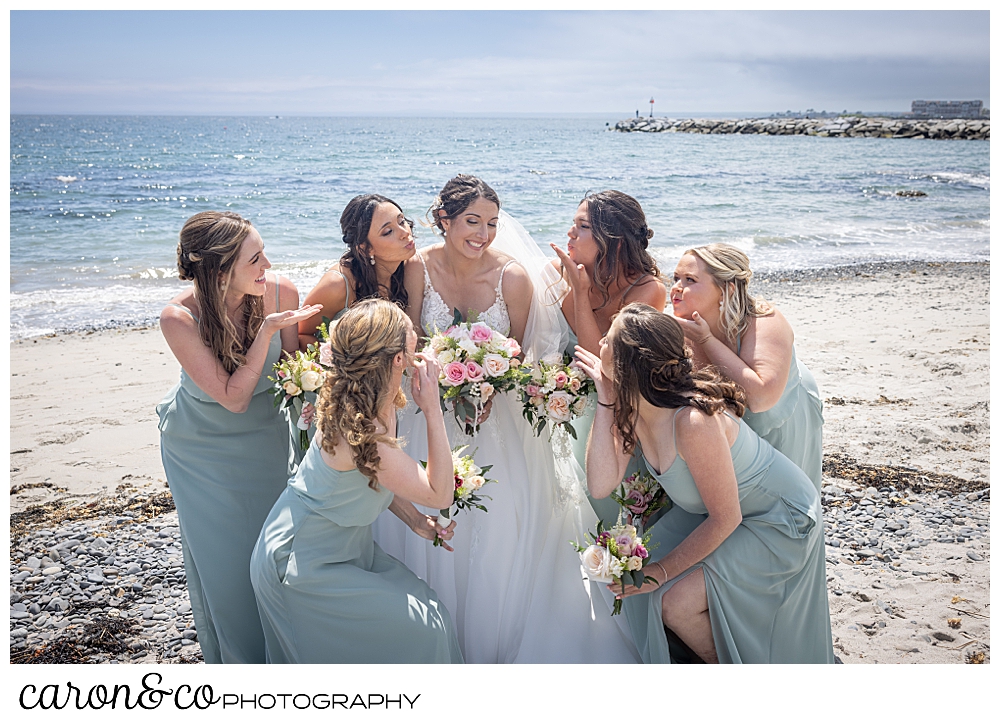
x=111, y=589
x=845, y=127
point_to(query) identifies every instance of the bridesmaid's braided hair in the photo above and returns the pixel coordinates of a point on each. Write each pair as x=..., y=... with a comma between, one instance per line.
x=209, y=246
x=363, y=344
x=355, y=223
x=651, y=361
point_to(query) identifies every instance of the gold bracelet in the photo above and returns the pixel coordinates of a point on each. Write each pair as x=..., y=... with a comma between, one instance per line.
x=665, y=576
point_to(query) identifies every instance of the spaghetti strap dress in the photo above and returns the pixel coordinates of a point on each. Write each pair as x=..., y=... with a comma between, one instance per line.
x=794, y=426
x=225, y=470
x=295, y=451
x=327, y=592
x=766, y=582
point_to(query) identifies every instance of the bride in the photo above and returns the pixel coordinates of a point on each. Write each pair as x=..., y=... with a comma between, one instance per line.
x=513, y=584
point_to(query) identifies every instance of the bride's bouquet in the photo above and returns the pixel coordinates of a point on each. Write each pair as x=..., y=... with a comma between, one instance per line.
x=295, y=376
x=476, y=363
x=553, y=392
x=640, y=496
x=469, y=478
x=617, y=556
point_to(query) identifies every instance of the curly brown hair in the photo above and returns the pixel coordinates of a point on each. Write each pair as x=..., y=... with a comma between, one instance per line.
x=363, y=344
x=651, y=361
x=618, y=225
x=209, y=246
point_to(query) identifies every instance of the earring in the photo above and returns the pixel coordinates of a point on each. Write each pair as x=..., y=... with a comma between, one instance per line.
x=371, y=258
x=720, y=305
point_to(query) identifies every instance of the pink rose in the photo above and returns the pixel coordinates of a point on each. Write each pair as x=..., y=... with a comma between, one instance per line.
x=454, y=373
x=513, y=346
x=533, y=390
x=561, y=378
x=640, y=551
x=282, y=374
x=325, y=354
x=574, y=385
x=480, y=333
x=625, y=546
x=475, y=371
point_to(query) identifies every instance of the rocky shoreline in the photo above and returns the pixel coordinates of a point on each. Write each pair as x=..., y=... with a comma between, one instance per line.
x=842, y=127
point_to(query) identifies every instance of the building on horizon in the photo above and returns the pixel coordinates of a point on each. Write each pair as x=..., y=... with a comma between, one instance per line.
x=946, y=109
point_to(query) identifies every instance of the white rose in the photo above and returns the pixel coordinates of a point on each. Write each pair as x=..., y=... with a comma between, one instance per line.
x=438, y=343
x=495, y=365
x=446, y=356
x=291, y=388
x=311, y=380
x=596, y=563
x=634, y=563
x=485, y=390
x=579, y=406
x=475, y=482
x=468, y=345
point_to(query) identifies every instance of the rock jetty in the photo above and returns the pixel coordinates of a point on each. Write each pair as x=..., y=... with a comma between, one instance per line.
x=842, y=127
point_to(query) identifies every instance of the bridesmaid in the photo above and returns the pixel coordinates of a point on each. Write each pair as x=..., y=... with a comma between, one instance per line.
x=326, y=591
x=379, y=239
x=748, y=585
x=606, y=265
x=752, y=344
x=223, y=444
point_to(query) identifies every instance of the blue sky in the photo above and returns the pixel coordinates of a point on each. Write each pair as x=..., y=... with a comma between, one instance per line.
x=432, y=63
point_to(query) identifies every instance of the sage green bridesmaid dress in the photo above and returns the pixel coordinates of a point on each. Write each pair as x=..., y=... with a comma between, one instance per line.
x=794, y=426
x=766, y=582
x=327, y=593
x=225, y=470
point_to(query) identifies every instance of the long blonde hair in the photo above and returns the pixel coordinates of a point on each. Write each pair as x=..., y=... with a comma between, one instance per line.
x=210, y=244
x=363, y=344
x=730, y=270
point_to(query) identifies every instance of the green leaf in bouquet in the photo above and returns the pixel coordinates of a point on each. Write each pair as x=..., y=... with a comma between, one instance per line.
x=650, y=579
x=541, y=425
x=485, y=469
x=457, y=318
x=570, y=430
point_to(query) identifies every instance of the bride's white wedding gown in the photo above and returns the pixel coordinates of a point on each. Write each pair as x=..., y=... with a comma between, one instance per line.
x=514, y=585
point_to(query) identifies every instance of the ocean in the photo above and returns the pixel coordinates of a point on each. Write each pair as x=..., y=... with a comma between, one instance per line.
x=96, y=203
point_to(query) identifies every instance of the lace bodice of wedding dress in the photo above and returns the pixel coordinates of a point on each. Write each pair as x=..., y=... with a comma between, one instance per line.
x=435, y=314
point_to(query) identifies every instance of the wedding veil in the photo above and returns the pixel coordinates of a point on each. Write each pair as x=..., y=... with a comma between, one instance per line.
x=547, y=332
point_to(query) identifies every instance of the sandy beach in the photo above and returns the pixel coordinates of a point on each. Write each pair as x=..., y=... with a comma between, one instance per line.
x=905, y=379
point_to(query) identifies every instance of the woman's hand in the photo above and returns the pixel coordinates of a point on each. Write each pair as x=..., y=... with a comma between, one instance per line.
x=653, y=570
x=308, y=414
x=696, y=329
x=424, y=387
x=426, y=526
x=281, y=320
x=483, y=416
x=591, y=365
x=576, y=274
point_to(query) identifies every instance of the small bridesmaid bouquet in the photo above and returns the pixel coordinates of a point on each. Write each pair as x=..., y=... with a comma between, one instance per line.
x=617, y=556
x=553, y=393
x=640, y=496
x=476, y=363
x=295, y=376
x=469, y=478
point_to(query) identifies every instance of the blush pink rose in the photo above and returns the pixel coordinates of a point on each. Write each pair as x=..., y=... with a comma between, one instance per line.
x=475, y=371
x=513, y=347
x=557, y=407
x=480, y=333
x=561, y=378
x=533, y=390
x=454, y=373
x=625, y=545
x=326, y=354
